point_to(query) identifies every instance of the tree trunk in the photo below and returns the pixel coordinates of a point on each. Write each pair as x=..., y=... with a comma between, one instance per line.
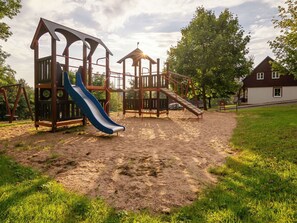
x=204, y=97
x=209, y=102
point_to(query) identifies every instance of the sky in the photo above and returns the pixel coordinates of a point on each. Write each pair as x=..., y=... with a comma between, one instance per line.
x=120, y=24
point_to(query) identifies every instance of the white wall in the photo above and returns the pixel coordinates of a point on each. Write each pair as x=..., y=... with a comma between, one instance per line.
x=265, y=94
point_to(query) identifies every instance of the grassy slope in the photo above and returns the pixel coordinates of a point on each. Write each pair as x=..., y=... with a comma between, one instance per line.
x=258, y=185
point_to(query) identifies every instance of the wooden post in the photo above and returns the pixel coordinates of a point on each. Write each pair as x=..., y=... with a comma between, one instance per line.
x=135, y=86
x=150, y=85
x=28, y=102
x=90, y=71
x=158, y=87
x=84, y=74
x=84, y=70
x=140, y=88
x=15, y=104
x=54, y=84
x=124, y=87
x=167, y=75
x=66, y=69
x=107, y=92
x=167, y=86
x=66, y=61
x=36, y=80
x=6, y=101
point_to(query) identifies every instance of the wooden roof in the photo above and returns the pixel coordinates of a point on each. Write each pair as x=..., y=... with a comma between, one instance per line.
x=71, y=35
x=137, y=55
x=266, y=68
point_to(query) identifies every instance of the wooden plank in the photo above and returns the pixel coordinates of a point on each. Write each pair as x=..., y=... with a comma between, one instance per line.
x=43, y=85
x=92, y=87
x=183, y=102
x=61, y=123
x=44, y=123
x=69, y=122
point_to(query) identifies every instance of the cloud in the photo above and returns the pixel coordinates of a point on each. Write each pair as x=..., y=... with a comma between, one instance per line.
x=121, y=24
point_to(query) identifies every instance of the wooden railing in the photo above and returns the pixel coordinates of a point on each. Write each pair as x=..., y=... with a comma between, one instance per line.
x=178, y=83
x=44, y=69
x=133, y=104
x=66, y=110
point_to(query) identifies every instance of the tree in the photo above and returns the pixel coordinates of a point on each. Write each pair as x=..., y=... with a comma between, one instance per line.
x=8, y=8
x=6, y=73
x=284, y=46
x=213, y=52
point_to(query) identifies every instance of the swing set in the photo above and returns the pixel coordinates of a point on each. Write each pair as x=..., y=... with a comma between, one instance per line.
x=20, y=90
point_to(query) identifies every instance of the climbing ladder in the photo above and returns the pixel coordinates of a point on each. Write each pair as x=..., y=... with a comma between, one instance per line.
x=189, y=106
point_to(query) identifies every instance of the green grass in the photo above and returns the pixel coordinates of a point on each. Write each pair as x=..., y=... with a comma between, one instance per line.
x=259, y=184
x=15, y=123
x=27, y=196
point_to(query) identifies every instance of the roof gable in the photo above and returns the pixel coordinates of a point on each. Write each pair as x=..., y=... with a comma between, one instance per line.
x=266, y=67
x=71, y=35
x=136, y=55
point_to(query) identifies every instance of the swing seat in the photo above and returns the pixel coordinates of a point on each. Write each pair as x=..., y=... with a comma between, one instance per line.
x=14, y=117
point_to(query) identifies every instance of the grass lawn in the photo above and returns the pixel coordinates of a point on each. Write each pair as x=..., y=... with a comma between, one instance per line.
x=257, y=185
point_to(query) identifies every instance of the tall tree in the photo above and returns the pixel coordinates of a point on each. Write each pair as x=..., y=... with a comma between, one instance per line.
x=213, y=51
x=284, y=46
x=8, y=8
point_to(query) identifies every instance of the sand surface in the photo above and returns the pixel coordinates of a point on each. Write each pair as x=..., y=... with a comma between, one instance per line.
x=156, y=164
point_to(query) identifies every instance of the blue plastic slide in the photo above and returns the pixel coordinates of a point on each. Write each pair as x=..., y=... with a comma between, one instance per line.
x=90, y=106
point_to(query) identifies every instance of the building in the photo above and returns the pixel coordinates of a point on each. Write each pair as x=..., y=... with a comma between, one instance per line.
x=265, y=85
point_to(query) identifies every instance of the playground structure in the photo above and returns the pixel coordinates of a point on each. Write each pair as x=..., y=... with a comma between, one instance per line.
x=147, y=91
x=20, y=90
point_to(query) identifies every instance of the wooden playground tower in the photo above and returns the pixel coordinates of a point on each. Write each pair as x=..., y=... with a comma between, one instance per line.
x=146, y=93
x=53, y=107
x=143, y=96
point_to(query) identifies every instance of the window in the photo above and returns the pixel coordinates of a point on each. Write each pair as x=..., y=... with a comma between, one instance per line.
x=260, y=76
x=277, y=92
x=275, y=75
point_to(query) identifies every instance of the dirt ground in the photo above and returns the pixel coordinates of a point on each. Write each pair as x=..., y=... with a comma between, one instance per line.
x=156, y=164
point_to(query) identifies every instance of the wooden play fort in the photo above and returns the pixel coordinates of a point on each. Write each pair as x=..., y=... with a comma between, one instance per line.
x=146, y=90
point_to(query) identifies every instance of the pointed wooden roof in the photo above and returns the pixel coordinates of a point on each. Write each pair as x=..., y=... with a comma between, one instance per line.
x=137, y=55
x=71, y=35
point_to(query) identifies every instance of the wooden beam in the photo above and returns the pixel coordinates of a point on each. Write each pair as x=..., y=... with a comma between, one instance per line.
x=107, y=93
x=15, y=104
x=90, y=71
x=66, y=60
x=36, y=90
x=140, y=94
x=61, y=123
x=158, y=86
x=28, y=102
x=43, y=86
x=54, y=84
x=124, y=87
x=100, y=88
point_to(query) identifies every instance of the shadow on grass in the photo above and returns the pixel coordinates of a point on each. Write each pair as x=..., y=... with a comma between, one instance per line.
x=247, y=194
x=260, y=184
x=26, y=196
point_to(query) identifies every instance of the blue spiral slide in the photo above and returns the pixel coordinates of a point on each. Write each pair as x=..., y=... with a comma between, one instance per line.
x=90, y=106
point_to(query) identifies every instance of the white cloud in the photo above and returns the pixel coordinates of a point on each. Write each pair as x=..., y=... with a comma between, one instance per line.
x=121, y=24
x=260, y=35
